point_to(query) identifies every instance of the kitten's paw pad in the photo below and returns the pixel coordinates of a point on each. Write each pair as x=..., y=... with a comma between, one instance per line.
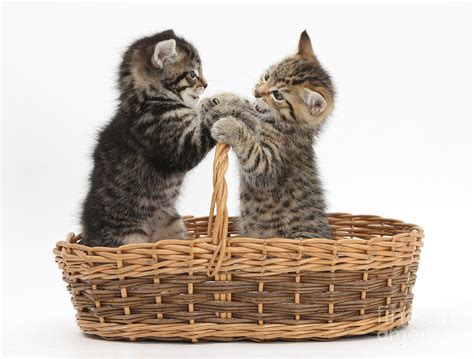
x=227, y=130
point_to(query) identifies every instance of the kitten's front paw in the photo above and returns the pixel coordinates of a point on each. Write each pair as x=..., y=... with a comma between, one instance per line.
x=227, y=130
x=208, y=103
x=225, y=102
x=208, y=111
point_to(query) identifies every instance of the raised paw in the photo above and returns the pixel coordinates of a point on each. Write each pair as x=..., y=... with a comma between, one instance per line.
x=209, y=111
x=225, y=102
x=227, y=130
x=208, y=103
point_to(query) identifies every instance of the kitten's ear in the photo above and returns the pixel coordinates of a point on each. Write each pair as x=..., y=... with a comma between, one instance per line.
x=168, y=33
x=305, y=49
x=165, y=52
x=315, y=102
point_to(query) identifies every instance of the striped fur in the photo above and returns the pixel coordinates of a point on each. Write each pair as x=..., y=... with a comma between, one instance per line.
x=280, y=191
x=144, y=152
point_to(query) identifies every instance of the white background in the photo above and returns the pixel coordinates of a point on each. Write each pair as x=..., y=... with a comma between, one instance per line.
x=398, y=145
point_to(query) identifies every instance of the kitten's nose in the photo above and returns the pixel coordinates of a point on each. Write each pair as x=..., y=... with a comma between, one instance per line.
x=203, y=82
x=259, y=91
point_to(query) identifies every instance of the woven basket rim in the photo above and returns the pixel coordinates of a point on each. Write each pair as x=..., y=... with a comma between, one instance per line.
x=266, y=257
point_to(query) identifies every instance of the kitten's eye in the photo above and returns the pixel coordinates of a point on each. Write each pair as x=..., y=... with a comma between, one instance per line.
x=192, y=75
x=266, y=77
x=277, y=94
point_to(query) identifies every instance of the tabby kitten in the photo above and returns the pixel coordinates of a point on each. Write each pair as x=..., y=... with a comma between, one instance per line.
x=280, y=192
x=144, y=152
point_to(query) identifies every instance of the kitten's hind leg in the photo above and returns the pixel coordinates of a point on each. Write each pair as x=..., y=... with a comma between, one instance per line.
x=138, y=236
x=172, y=230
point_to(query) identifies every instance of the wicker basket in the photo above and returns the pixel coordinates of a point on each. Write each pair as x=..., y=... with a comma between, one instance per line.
x=224, y=287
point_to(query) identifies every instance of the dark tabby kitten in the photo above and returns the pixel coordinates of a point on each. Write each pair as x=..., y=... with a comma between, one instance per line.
x=155, y=137
x=280, y=192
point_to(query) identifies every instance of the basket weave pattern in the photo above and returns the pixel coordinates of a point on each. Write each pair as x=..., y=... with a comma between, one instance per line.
x=216, y=285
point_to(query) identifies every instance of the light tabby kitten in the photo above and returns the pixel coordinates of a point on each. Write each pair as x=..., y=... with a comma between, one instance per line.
x=280, y=192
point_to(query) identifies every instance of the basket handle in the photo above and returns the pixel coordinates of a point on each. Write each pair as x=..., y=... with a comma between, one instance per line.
x=218, y=226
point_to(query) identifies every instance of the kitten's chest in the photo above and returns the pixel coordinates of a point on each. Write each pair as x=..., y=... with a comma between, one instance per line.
x=170, y=188
x=159, y=192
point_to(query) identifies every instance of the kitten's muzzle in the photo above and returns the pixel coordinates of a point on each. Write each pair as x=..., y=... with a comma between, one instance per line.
x=199, y=87
x=261, y=107
x=199, y=91
x=203, y=82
